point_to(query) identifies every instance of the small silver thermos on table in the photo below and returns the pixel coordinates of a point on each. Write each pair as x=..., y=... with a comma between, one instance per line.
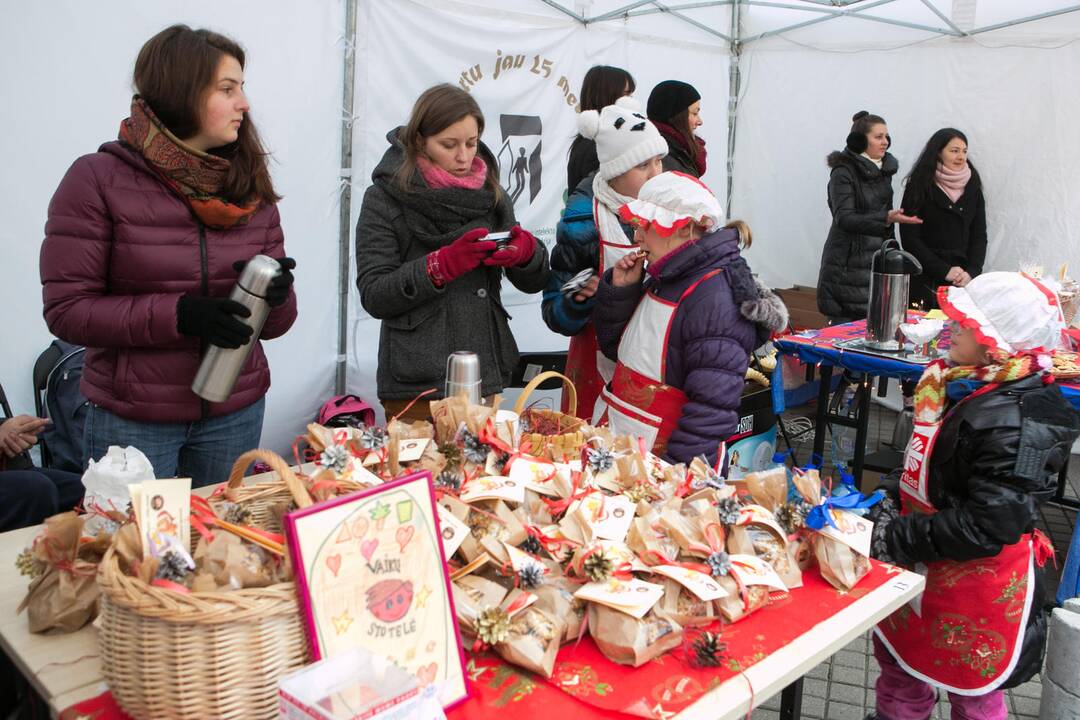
x=221, y=366
x=463, y=375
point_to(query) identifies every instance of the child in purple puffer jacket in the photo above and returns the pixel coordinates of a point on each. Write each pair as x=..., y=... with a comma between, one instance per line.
x=682, y=327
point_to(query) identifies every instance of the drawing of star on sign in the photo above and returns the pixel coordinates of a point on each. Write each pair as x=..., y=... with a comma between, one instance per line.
x=342, y=622
x=379, y=514
x=422, y=597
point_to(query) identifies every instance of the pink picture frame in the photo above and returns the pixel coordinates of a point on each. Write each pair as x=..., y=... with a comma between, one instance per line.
x=370, y=572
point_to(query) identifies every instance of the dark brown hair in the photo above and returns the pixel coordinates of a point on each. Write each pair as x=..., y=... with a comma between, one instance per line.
x=603, y=85
x=174, y=74
x=436, y=109
x=681, y=122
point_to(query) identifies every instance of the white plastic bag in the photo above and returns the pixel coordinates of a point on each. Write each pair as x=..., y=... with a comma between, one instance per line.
x=106, y=482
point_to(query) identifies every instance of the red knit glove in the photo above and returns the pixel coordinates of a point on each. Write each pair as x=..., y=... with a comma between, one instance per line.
x=459, y=257
x=518, y=251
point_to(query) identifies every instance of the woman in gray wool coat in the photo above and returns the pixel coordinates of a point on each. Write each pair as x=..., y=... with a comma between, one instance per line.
x=423, y=263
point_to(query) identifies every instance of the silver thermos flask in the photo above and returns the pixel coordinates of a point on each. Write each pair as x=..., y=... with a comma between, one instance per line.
x=463, y=375
x=890, y=282
x=221, y=366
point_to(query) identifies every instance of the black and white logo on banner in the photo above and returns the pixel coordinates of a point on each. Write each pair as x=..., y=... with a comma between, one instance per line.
x=519, y=156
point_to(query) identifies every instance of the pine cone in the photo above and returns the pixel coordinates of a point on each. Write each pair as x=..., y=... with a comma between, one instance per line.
x=452, y=453
x=599, y=459
x=373, y=438
x=531, y=545
x=641, y=491
x=447, y=480
x=29, y=565
x=531, y=575
x=792, y=515
x=473, y=450
x=492, y=625
x=335, y=457
x=708, y=650
x=728, y=510
x=598, y=566
x=719, y=563
x=235, y=513
x=172, y=566
x=501, y=458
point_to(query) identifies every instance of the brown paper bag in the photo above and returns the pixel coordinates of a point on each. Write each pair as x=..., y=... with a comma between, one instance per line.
x=774, y=550
x=840, y=565
x=650, y=541
x=626, y=640
x=65, y=596
x=683, y=606
x=556, y=598
x=533, y=640
x=732, y=608
x=768, y=488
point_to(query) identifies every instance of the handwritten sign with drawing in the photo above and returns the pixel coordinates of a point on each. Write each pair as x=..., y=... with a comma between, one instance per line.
x=371, y=573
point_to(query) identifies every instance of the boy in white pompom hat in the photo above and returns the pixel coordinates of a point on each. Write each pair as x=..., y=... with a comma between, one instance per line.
x=992, y=432
x=682, y=328
x=590, y=236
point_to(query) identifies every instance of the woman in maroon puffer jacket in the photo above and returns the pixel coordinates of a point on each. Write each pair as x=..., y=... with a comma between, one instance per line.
x=144, y=242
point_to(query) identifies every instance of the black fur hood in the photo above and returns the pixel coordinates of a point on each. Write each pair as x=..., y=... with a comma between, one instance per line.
x=846, y=158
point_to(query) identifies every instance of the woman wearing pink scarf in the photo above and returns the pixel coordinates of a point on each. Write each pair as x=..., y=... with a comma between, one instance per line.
x=945, y=191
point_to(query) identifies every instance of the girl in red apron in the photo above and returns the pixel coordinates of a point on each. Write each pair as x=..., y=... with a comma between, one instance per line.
x=590, y=236
x=680, y=329
x=991, y=433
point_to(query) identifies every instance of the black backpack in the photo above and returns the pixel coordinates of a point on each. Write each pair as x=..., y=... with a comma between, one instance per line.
x=66, y=406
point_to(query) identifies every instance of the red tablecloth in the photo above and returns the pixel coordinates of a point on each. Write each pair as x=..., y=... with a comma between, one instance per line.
x=586, y=683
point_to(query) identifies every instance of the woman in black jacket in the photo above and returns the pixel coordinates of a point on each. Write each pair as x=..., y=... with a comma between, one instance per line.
x=423, y=263
x=944, y=190
x=602, y=86
x=860, y=200
x=675, y=109
x=992, y=432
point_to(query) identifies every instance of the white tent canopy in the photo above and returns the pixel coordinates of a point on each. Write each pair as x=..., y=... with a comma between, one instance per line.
x=1004, y=72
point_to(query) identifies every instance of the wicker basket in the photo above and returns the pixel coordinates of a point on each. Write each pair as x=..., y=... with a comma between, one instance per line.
x=210, y=654
x=559, y=434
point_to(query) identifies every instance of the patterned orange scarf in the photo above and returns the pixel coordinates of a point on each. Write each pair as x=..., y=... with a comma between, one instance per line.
x=195, y=176
x=930, y=393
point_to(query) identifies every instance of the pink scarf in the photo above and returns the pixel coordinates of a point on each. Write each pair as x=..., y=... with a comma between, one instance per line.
x=437, y=178
x=952, y=182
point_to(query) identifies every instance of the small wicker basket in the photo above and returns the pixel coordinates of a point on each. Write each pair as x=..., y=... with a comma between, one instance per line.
x=551, y=434
x=208, y=654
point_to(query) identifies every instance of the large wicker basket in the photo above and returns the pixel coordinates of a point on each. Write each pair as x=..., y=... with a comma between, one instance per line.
x=209, y=654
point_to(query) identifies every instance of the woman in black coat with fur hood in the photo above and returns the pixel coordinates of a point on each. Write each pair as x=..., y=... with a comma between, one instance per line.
x=860, y=199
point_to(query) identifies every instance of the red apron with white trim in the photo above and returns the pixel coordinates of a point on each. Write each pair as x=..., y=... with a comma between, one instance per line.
x=639, y=403
x=964, y=633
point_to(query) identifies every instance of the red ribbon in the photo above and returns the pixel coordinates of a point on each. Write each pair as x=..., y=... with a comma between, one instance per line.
x=662, y=559
x=557, y=507
x=203, y=516
x=1043, y=548
x=552, y=545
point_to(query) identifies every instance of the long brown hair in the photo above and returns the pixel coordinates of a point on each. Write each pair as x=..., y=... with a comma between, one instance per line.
x=436, y=109
x=174, y=73
x=681, y=122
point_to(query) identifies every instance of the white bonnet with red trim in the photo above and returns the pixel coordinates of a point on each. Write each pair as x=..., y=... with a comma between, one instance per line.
x=670, y=201
x=1008, y=311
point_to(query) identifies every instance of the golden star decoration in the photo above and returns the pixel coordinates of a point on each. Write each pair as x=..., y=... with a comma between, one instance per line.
x=342, y=622
x=422, y=597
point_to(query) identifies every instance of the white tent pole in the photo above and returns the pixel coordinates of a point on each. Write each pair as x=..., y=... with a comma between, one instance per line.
x=1032, y=18
x=832, y=15
x=565, y=10
x=684, y=6
x=692, y=21
x=617, y=12
x=944, y=18
x=854, y=14
x=345, y=199
x=734, y=84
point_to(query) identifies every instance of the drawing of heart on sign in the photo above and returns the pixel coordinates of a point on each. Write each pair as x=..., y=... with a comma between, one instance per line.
x=426, y=674
x=367, y=548
x=404, y=534
x=334, y=563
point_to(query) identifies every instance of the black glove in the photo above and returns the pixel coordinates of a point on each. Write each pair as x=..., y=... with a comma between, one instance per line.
x=883, y=515
x=215, y=320
x=278, y=292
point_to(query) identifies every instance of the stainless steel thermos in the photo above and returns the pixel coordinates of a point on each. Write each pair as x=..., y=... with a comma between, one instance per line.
x=890, y=282
x=221, y=366
x=463, y=375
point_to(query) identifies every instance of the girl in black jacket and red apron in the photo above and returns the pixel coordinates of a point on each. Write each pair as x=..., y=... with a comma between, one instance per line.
x=991, y=433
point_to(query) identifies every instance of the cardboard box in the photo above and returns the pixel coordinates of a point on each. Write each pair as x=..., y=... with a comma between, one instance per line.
x=801, y=302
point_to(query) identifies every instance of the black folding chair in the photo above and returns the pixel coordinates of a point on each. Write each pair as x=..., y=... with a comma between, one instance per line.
x=42, y=367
